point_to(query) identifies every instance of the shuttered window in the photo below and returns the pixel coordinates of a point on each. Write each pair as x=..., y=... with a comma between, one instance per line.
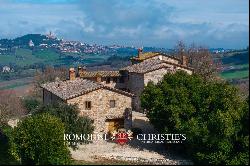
x=112, y=103
x=88, y=105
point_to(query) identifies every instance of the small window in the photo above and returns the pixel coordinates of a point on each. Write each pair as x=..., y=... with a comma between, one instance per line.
x=121, y=80
x=115, y=79
x=108, y=80
x=88, y=105
x=112, y=103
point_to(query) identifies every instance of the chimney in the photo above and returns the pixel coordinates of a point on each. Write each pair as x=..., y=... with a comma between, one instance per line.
x=139, y=52
x=98, y=78
x=184, y=60
x=81, y=71
x=72, y=74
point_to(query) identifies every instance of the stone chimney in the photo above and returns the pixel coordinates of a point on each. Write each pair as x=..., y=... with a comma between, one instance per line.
x=72, y=74
x=139, y=52
x=98, y=78
x=184, y=60
x=81, y=71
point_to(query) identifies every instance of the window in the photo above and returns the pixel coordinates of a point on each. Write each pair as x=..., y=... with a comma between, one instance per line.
x=88, y=105
x=115, y=79
x=121, y=80
x=108, y=80
x=112, y=103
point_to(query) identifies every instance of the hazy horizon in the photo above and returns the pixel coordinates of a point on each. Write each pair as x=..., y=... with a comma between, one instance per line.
x=153, y=23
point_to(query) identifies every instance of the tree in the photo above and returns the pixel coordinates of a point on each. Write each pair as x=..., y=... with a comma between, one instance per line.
x=40, y=140
x=211, y=114
x=69, y=114
x=201, y=59
x=49, y=74
x=180, y=49
x=204, y=62
x=31, y=104
x=10, y=106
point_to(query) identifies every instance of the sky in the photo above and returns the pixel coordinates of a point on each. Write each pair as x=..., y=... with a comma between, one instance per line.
x=157, y=23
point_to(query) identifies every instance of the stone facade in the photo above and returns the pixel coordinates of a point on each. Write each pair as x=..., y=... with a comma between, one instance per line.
x=157, y=75
x=100, y=107
x=122, y=87
x=136, y=86
x=137, y=82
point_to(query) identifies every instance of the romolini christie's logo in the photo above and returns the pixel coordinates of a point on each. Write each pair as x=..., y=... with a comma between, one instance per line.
x=122, y=137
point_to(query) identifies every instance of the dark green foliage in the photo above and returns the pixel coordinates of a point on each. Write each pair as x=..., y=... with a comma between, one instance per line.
x=69, y=114
x=211, y=114
x=5, y=156
x=31, y=104
x=40, y=140
x=136, y=131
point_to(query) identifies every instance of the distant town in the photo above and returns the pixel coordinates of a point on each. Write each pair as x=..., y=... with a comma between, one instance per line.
x=50, y=40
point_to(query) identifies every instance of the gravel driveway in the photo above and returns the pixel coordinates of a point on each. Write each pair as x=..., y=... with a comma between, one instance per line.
x=135, y=149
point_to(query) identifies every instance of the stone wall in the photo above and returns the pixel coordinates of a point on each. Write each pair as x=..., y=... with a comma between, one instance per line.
x=136, y=86
x=186, y=70
x=114, y=84
x=156, y=76
x=137, y=82
x=49, y=97
x=100, y=106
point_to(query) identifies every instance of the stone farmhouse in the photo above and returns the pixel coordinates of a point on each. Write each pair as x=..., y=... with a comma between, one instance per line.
x=109, y=97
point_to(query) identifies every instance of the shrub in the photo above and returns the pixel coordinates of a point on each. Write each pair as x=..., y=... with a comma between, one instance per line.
x=69, y=114
x=31, y=104
x=6, y=158
x=40, y=140
x=211, y=114
x=136, y=131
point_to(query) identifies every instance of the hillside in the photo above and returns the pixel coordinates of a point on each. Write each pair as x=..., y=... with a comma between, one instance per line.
x=235, y=65
x=47, y=50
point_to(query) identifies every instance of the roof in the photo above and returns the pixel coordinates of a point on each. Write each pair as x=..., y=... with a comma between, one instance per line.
x=148, y=55
x=151, y=65
x=100, y=73
x=73, y=88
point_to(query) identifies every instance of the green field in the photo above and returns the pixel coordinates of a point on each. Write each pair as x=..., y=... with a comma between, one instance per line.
x=24, y=57
x=235, y=75
x=239, y=60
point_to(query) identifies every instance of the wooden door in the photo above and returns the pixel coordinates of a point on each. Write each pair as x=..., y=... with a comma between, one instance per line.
x=114, y=124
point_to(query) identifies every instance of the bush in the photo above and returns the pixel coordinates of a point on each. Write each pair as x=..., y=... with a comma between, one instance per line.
x=40, y=140
x=136, y=131
x=5, y=154
x=69, y=114
x=211, y=114
x=31, y=104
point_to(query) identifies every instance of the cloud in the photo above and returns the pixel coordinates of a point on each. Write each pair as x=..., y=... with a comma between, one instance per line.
x=158, y=23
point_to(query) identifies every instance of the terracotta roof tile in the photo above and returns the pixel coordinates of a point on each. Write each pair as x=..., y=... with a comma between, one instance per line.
x=73, y=88
x=88, y=74
x=151, y=65
x=148, y=55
